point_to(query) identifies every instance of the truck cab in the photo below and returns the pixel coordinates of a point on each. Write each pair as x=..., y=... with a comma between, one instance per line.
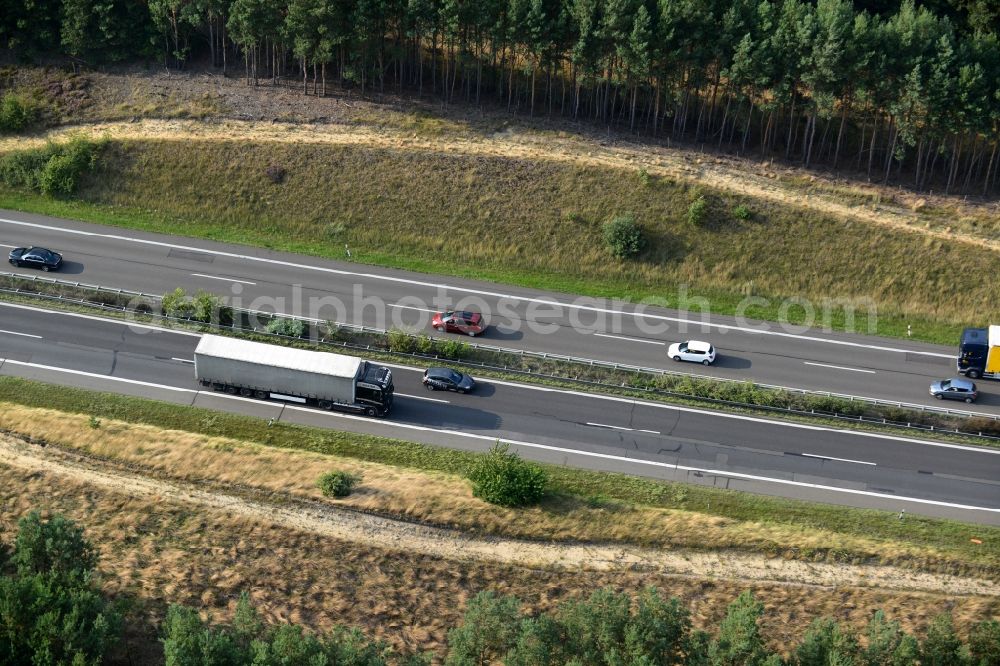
x=979, y=353
x=375, y=387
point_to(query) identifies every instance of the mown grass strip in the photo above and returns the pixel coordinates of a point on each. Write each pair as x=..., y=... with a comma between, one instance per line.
x=951, y=537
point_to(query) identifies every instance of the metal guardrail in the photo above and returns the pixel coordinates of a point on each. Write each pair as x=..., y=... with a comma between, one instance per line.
x=592, y=363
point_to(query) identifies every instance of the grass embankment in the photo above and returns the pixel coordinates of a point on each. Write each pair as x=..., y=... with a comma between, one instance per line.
x=586, y=506
x=530, y=222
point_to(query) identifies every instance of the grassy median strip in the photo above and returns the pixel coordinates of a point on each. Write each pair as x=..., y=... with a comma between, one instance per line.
x=534, y=223
x=600, y=501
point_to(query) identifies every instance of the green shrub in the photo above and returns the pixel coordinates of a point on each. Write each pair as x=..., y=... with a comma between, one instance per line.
x=58, y=177
x=401, y=341
x=68, y=164
x=94, y=422
x=17, y=112
x=177, y=304
x=338, y=484
x=502, y=478
x=424, y=344
x=455, y=349
x=698, y=210
x=624, y=237
x=205, y=306
x=292, y=328
x=55, y=170
x=23, y=167
x=742, y=212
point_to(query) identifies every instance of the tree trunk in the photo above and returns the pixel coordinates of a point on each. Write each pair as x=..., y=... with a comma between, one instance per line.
x=956, y=154
x=791, y=126
x=973, y=160
x=871, y=148
x=808, y=147
x=746, y=128
x=725, y=119
x=920, y=155
x=531, y=110
x=894, y=133
x=840, y=136
x=989, y=168
x=656, y=105
x=635, y=95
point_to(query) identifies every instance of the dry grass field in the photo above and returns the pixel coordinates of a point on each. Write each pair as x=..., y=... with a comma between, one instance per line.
x=195, y=519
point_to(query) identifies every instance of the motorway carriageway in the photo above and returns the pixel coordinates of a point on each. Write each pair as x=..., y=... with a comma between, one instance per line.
x=865, y=366
x=561, y=426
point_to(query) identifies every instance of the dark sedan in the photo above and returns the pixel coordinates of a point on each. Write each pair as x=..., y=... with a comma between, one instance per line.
x=446, y=379
x=35, y=257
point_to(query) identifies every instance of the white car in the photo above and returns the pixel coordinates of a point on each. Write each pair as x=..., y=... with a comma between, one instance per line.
x=692, y=350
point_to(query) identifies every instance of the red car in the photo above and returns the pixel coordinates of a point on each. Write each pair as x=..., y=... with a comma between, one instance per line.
x=470, y=323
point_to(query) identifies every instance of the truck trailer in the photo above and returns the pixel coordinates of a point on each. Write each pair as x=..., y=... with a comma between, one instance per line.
x=262, y=371
x=979, y=353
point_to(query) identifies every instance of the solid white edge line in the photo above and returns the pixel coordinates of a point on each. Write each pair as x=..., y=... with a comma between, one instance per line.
x=838, y=367
x=546, y=447
x=106, y=320
x=846, y=460
x=622, y=337
x=545, y=301
x=23, y=335
x=422, y=397
x=596, y=396
x=182, y=360
x=97, y=375
x=224, y=279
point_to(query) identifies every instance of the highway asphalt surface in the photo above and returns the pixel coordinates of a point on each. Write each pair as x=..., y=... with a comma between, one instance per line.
x=813, y=359
x=565, y=427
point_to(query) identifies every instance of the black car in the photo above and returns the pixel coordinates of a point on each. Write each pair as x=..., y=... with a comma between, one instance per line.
x=35, y=257
x=954, y=389
x=446, y=379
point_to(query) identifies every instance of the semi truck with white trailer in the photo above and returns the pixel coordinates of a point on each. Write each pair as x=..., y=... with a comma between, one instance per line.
x=263, y=371
x=979, y=353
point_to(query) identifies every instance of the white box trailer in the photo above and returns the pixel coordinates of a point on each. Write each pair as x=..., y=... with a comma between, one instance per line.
x=263, y=371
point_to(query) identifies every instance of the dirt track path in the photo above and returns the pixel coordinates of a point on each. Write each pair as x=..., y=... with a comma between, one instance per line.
x=734, y=175
x=387, y=534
